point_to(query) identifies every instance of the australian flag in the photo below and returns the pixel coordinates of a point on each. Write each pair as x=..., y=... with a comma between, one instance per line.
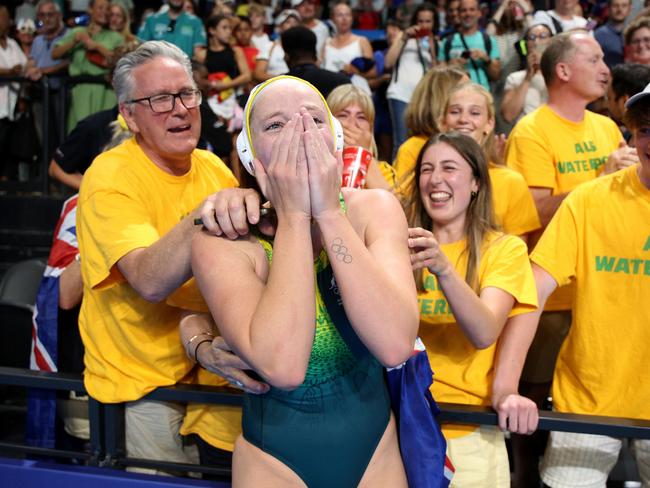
x=42, y=403
x=422, y=445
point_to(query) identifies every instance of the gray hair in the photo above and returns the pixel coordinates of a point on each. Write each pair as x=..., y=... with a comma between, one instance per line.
x=145, y=52
x=47, y=2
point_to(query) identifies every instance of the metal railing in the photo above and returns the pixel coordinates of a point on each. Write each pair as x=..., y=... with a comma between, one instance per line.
x=49, y=122
x=107, y=420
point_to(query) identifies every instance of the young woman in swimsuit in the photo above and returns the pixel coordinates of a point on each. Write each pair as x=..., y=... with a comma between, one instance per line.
x=318, y=312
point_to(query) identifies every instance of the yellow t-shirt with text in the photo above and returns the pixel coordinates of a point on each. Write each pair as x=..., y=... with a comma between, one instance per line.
x=462, y=373
x=555, y=153
x=126, y=202
x=600, y=236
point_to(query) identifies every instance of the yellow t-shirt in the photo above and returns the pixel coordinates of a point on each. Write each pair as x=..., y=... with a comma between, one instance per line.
x=463, y=374
x=218, y=425
x=600, y=236
x=553, y=152
x=514, y=206
x=126, y=202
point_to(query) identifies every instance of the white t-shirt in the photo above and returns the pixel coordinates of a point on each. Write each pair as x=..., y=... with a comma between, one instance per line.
x=275, y=56
x=537, y=94
x=10, y=57
x=322, y=34
x=410, y=70
x=545, y=17
x=262, y=43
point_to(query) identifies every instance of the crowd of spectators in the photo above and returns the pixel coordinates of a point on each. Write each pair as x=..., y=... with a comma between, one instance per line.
x=542, y=90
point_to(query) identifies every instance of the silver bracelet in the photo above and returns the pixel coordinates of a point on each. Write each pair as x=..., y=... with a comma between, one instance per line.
x=193, y=338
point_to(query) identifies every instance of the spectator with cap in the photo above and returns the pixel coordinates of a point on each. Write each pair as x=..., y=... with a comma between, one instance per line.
x=470, y=49
x=557, y=147
x=25, y=31
x=299, y=45
x=271, y=62
x=307, y=9
x=602, y=367
x=177, y=26
x=610, y=34
x=627, y=80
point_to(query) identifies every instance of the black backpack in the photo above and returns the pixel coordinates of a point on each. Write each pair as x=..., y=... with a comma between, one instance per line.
x=487, y=42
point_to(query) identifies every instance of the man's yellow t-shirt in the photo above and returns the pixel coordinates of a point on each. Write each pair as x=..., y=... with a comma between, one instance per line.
x=600, y=236
x=462, y=373
x=126, y=202
x=514, y=206
x=555, y=153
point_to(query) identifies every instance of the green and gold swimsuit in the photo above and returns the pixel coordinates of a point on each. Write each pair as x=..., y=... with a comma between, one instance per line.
x=328, y=428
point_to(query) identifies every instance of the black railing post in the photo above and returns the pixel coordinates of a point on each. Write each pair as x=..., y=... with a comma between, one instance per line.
x=96, y=421
x=45, y=143
x=114, y=434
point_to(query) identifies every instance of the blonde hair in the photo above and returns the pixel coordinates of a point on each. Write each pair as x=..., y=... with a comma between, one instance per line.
x=345, y=95
x=126, y=30
x=487, y=144
x=425, y=109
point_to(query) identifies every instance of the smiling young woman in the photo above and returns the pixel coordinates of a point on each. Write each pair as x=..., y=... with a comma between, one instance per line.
x=471, y=278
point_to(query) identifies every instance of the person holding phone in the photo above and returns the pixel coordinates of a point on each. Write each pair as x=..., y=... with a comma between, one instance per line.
x=525, y=90
x=410, y=57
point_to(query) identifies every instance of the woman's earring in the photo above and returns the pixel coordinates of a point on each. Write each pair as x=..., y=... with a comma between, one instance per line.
x=474, y=194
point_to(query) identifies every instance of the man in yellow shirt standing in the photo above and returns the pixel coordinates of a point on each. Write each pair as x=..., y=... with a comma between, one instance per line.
x=135, y=216
x=600, y=238
x=557, y=147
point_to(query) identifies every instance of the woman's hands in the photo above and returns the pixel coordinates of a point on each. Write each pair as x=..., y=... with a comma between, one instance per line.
x=426, y=252
x=356, y=136
x=285, y=181
x=303, y=177
x=325, y=170
x=517, y=414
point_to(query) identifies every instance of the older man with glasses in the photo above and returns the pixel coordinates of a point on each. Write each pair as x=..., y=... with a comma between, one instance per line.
x=135, y=221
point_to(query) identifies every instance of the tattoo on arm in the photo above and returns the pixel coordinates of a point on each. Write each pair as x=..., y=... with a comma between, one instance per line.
x=340, y=251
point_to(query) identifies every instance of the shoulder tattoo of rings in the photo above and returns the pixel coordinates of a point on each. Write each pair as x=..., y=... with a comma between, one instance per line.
x=340, y=251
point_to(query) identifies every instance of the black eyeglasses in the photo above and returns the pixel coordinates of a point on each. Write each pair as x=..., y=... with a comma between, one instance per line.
x=165, y=102
x=171, y=25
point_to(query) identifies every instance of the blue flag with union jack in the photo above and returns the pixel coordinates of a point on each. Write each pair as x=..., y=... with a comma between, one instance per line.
x=41, y=404
x=422, y=445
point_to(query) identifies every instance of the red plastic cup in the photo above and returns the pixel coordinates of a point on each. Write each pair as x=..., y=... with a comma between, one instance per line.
x=355, y=165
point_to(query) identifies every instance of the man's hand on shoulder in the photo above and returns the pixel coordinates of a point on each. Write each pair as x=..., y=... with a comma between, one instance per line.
x=230, y=211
